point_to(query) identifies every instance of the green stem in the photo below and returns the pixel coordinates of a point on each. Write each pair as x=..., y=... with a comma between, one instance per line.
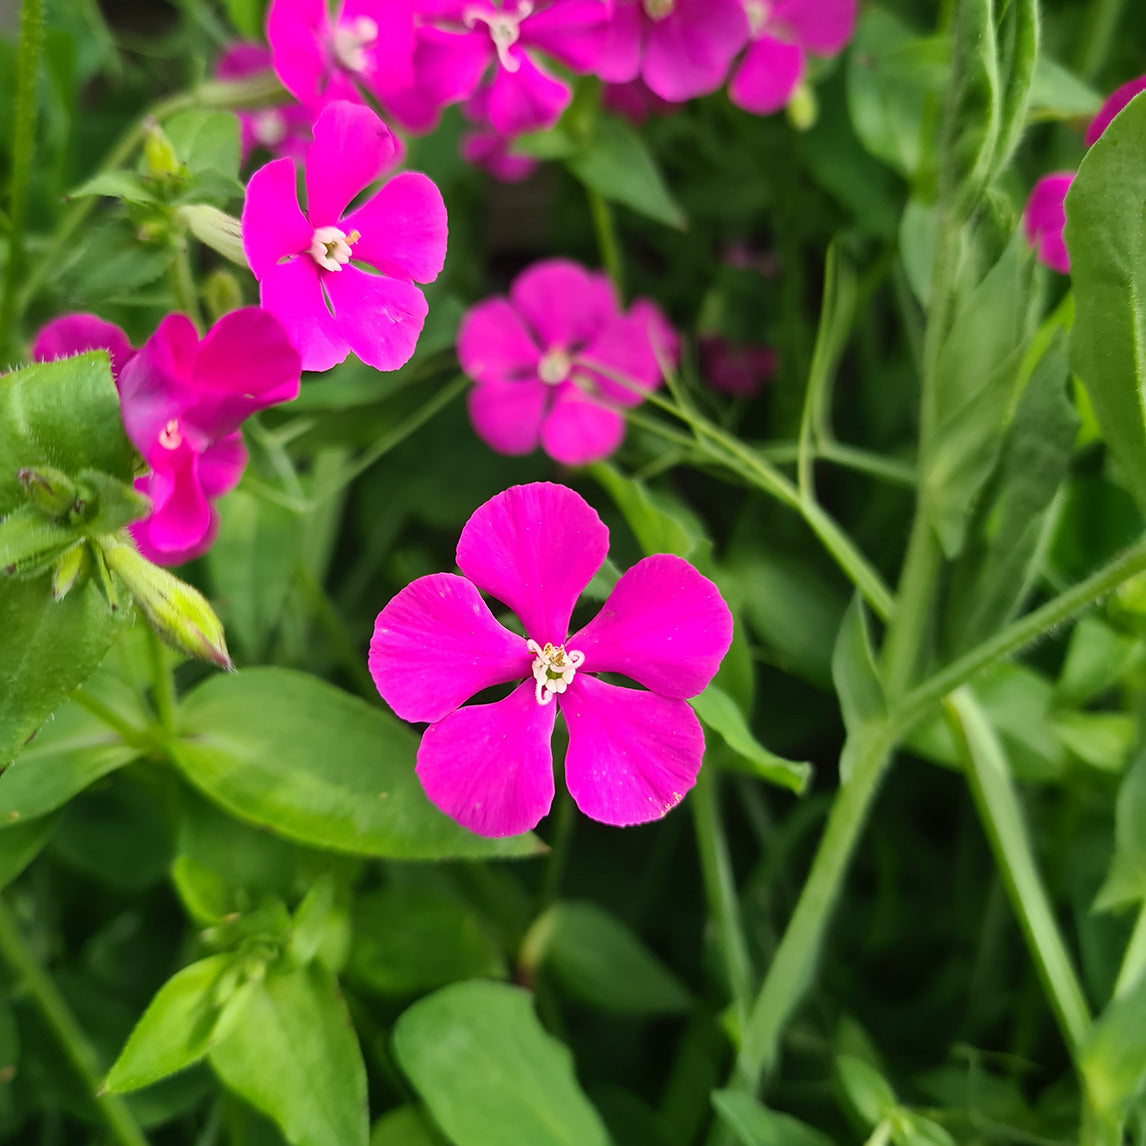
x=183, y=283
x=79, y=1052
x=888, y=469
x=163, y=682
x=720, y=891
x=1101, y=27
x=559, y=849
x=131, y=736
x=1134, y=961
x=23, y=143
x=911, y=618
x=605, y=226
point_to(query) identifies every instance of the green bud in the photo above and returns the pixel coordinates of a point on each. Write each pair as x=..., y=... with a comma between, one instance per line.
x=803, y=108
x=49, y=490
x=30, y=544
x=215, y=229
x=112, y=503
x=159, y=155
x=177, y=612
x=222, y=294
x=70, y=570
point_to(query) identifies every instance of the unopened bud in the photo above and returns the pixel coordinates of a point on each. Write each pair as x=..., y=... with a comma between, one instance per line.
x=215, y=229
x=30, y=544
x=177, y=612
x=222, y=294
x=159, y=153
x=803, y=108
x=70, y=570
x=112, y=503
x=49, y=490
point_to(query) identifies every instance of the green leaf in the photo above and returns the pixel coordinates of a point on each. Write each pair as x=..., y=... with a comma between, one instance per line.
x=180, y=1025
x=854, y=671
x=1103, y=740
x=1106, y=237
x=489, y=1072
x=1057, y=93
x=601, y=962
x=206, y=140
x=247, y=17
x=358, y=793
x=976, y=119
x=659, y=524
x=867, y=1090
x=415, y=937
x=30, y=543
x=617, y=164
x=1125, y=883
x=406, y=1126
x=1096, y=658
x=1112, y=1060
x=295, y=1057
x=20, y=844
x=1017, y=40
x=719, y=712
x=116, y=185
x=551, y=144
x=756, y=1125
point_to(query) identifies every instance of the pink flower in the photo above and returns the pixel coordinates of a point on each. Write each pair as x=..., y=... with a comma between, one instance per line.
x=533, y=356
x=634, y=101
x=320, y=57
x=1113, y=105
x=738, y=368
x=183, y=400
x=487, y=148
x=72, y=334
x=1044, y=219
x=680, y=48
x=462, y=40
x=282, y=129
x=783, y=32
x=328, y=306
x=633, y=754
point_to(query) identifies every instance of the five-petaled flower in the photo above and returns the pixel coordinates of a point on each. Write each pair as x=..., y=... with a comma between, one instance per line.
x=633, y=752
x=557, y=361
x=303, y=262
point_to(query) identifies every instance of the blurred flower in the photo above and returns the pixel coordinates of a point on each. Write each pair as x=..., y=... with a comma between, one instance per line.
x=634, y=101
x=633, y=753
x=680, y=48
x=534, y=357
x=321, y=57
x=302, y=262
x=738, y=368
x=487, y=148
x=72, y=334
x=183, y=400
x=282, y=129
x=1113, y=105
x=466, y=43
x=783, y=33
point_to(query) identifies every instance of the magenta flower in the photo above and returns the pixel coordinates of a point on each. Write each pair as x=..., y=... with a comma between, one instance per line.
x=320, y=57
x=783, y=33
x=633, y=754
x=680, y=48
x=282, y=129
x=535, y=359
x=73, y=334
x=1113, y=105
x=487, y=148
x=737, y=368
x=463, y=40
x=1044, y=219
x=329, y=306
x=634, y=101
x=183, y=400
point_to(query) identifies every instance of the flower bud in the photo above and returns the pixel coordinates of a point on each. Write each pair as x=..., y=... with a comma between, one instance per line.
x=177, y=612
x=221, y=294
x=216, y=229
x=111, y=503
x=49, y=490
x=803, y=108
x=70, y=570
x=159, y=154
x=30, y=544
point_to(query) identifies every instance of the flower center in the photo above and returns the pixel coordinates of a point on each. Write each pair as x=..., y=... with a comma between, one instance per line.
x=759, y=12
x=554, y=366
x=268, y=127
x=504, y=29
x=553, y=669
x=330, y=247
x=350, y=41
x=170, y=437
x=658, y=10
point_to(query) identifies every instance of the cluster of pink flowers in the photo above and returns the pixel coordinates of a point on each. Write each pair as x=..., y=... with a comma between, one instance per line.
x=1045, y=215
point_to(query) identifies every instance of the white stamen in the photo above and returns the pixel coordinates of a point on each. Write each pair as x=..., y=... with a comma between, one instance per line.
x=169, y=437
x=268, y=127
x=658, y=10
x=554, y=366
x=553, y=669
x=504, y=29
x=350, y=41
x=759, y=12
x=330, y=247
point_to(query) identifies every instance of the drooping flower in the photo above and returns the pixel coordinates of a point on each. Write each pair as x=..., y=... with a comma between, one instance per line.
x=320, y=56
x=463, y=43
x=72, y=334
x=183, y=400
x=737, y=368
x=633, y=752
x=303, y=262
x=542, y=357
x=680, y=48
x=783, y=33
x=282, y=129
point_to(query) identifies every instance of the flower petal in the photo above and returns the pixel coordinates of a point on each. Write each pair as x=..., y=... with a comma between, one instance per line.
x=619, y=61
x=180, y=516
x=687, y=54
x=389, y=58
x=273, y=225
x=572, y=32
x=534, y=547
x=820, y=26
x=490, y=766
x=449, y=65
x=527, y=99
x=72, y=334
x=221, y=465
x=292, y=292
x=379, y=317
x=351, y=148
x=295, y=32
x=507, y=416
x=494, y=345
x=664, y=625
x=1113, y=105
x=563, y=303
x=153, y=386
x=579, y=429
x=436, y=644
x=767, y=76
x=624, y=347
x=402, y=228
x=1044, y=219
x=141, y=535
x=632, y=754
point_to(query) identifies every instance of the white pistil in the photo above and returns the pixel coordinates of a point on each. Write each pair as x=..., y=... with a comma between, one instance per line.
x=330, y=247
x=268, y=127
x=759, y=12
x=553, y=669
x=350, y=41
x=554, y=366
x=504, y=29
x=170, y=437
x=658, y=10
